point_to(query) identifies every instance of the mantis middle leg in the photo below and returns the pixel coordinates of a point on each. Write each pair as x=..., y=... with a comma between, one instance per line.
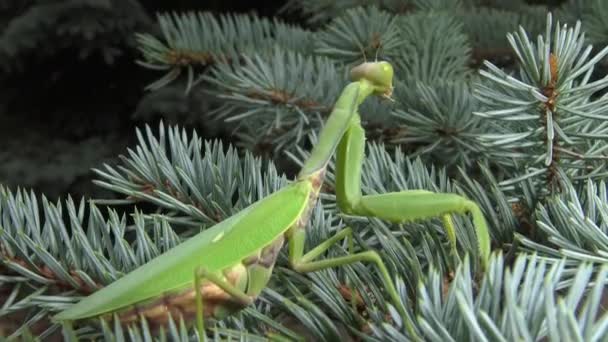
x=398, y=207
x=304, y=263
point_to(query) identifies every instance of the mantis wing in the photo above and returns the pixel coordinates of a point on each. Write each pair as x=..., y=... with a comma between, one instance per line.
x=215, y=249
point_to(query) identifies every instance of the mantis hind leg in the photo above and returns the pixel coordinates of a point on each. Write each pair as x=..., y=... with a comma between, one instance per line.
x=201, y=274
x=399, y=207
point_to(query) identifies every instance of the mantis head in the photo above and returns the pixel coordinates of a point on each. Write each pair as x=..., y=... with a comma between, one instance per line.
x=380, y=74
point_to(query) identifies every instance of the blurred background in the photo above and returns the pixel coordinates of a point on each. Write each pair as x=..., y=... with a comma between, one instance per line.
x=71, y=92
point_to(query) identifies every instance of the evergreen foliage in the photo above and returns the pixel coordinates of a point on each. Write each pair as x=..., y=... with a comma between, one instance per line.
x=45, y=28
x=513, y=117
x=59, y=62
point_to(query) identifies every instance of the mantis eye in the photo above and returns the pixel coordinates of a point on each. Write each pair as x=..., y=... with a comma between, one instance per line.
x=379, y=73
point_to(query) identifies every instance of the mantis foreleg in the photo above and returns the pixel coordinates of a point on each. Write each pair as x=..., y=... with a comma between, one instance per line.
x=238, y=295
x=399, y=207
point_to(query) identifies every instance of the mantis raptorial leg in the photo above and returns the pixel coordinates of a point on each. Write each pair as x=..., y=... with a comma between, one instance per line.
x=403, y=206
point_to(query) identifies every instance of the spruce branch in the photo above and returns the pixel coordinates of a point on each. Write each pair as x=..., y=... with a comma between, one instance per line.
x=282, y=98
x=433, y=47
x=359, y=35
x=506, y=215
x=57, y=260
x=498, y=4
x=48, y=261
x=176, y=331
x=107, y=244
x=294, y=38
x=201, y=38
x=318, y=11
x=526, y=301
x=575, y=225
x=321, y=303
x=487, y=29
x=187, y=187
x=547, y=117
x=554, y=121
x=592, y=14
x=91, y=26
x=440, y=121
x=438, y=5
x=378, y=119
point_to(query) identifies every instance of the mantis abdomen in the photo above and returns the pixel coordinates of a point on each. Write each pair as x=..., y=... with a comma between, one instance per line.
x=250, y=276
x=240, y=251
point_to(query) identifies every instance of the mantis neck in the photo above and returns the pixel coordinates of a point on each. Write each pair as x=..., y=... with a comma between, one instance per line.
x=345, y=110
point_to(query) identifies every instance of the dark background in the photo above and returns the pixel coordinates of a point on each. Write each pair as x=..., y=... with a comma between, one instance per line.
x=65, y=109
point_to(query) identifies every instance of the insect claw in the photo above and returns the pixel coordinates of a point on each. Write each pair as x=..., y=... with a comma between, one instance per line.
x=389, y=95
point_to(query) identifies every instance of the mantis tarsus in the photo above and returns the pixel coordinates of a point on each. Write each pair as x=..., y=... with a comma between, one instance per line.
x=218, y=272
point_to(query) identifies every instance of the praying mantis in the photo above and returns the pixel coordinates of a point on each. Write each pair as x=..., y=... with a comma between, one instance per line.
x=225, y=267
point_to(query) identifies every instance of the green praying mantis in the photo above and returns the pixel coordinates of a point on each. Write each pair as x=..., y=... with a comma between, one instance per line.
x=224, y=268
